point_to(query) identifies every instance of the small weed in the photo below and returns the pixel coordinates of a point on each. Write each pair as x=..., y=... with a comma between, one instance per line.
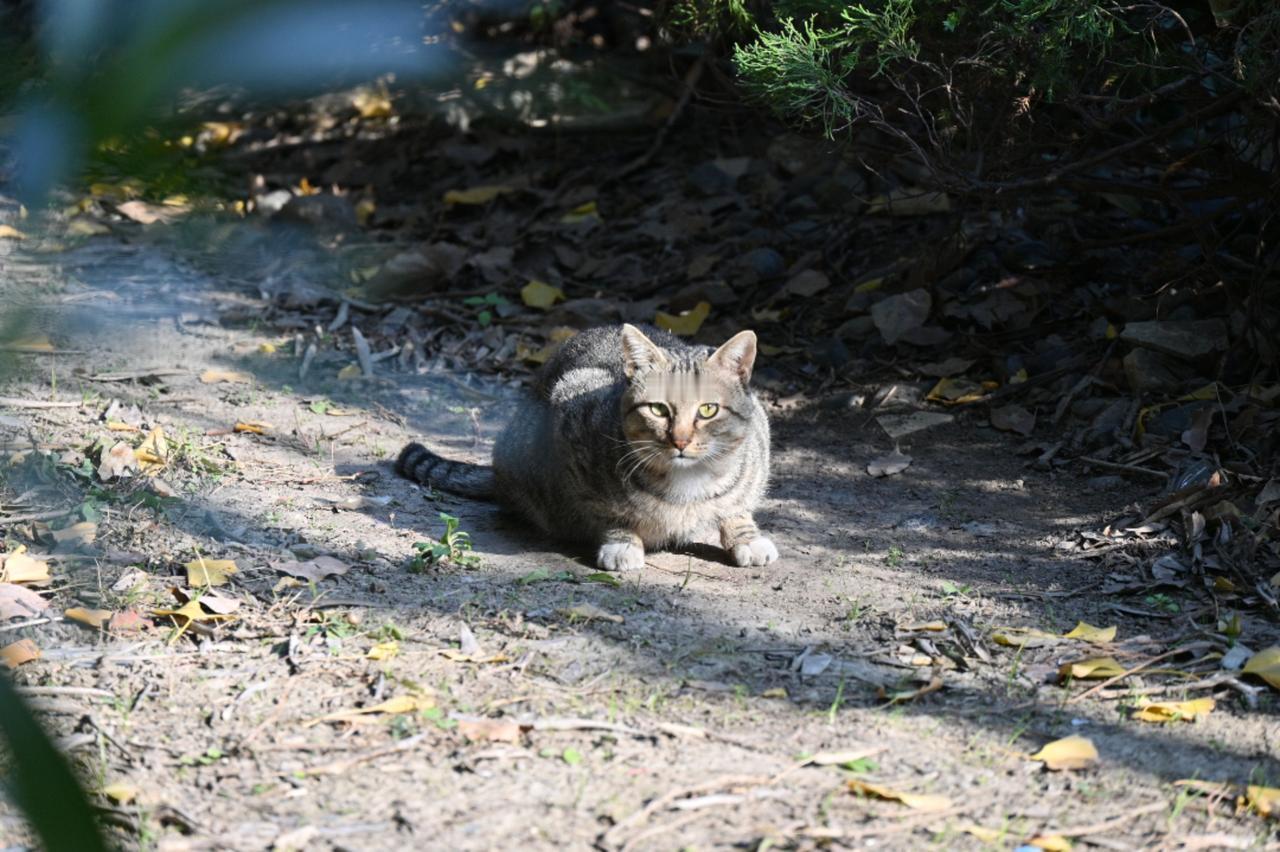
x=486, y=304
x=435, y=716
x=951, y=590
x=861, y=766
x=454, y=547
x=835, y=704
x=1162, y=602
x=894, y=557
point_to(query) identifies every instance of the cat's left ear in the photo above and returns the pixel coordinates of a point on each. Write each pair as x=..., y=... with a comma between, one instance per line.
x=737, y=355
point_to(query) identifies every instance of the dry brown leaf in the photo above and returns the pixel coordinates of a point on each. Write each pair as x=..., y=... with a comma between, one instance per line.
x=8, y=232
x=490, y=730
x=209, y=572
x=213, y=377
x=95, y=618
x=915, y=801
x=1173, y=711
x=1068, y=753
x=1013, y=418
x=19, y=602
x=19, y=567
x=383, y=650
x=476, y=194
x=128, y=621
x=1050, y=843
x=1266, y=665
x=1264, y=800
x=590, y=612
x=31, y=343
x=399, y=704
x=16, y=653
x=253, y=427
x=77, y=535
x=1024, y=637
x=116, y=462
x=314, y=570
x=836, y=758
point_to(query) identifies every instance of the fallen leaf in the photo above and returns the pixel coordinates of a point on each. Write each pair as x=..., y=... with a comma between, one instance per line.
x=116, y=462
x=909, y=201
x=17, y=653
x=905, y=695
x=926, y=626
x=901, y=313
x=836, y=758
x=20, y=568
x=1266, y=665
x=383, y=650
x=950, y=367
x=76, y=535
x=392, y=706
x=1173, y=711
x=127, y=621
x=915, y=801
x=1094, y=667
x=1264, y=800
x=539, y=294
x=895, y=462
x=351, y=371
x=209, y=572
x=986, y=835
x=94, y=618
x=213, y=377
x=590, y=612
x=31, y=343
x=8, y=232
x=147, y=214
x=121, y=793
x=1013, y=418
x=315, y=569
x=1023, y=637
x=775, y=692
x=490, y=730
x=684, y=324
x=900, y=425
x=253, y=427
x=807, y=283
x=476, y=194
x=534, y=355
x=217, y=603
x=1050, y=843
x=1067, y=753
x=153, y=453
x=955, y=391
x=19, y=602
x=372, y=103
x=188, y=613
x=1089, y=633
x=86, y=228
x=587, y=211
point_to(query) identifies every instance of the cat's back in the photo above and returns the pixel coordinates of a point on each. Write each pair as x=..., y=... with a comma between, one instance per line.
x=597, y=348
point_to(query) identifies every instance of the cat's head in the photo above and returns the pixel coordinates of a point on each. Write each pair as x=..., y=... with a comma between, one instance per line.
x=688, y=407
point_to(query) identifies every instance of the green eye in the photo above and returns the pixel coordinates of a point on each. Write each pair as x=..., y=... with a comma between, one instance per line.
x=708, y=410
x=657, y=409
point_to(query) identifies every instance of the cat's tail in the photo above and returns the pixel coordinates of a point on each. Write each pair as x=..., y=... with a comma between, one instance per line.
x=421, y=465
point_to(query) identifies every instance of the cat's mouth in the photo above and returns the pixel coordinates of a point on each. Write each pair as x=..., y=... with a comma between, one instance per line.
x=684, y=460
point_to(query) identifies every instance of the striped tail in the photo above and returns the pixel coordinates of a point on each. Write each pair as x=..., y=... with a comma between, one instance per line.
x=421, y=465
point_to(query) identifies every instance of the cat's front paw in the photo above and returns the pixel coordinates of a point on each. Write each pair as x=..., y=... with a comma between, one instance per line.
x=621, y=556
x=758, y=551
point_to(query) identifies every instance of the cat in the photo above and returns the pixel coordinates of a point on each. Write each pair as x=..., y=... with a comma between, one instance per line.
x=629, y=441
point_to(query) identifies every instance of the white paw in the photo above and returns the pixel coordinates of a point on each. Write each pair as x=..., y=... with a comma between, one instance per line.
x=758, y=551
x=621, y=556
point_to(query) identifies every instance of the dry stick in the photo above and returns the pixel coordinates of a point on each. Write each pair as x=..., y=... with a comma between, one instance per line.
x=341, y=766
x=1109, y=825
x=688, y=85
x=34, y=516
x=32, y=623
x=15, y=402
x=1195, y=646
x=1132, y=468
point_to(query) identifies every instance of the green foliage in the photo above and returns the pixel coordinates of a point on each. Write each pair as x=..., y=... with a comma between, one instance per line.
x=454, y=547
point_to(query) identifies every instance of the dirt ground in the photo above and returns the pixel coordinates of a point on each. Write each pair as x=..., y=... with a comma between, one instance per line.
x=694, y=705
x=680, y=716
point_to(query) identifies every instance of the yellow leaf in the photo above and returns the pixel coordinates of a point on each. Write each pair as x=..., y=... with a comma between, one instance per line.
x=8, y=232
x=192, y=611
x=1094, y=667
x=86, y=228
x=372, y=104
x=476, y=194
x=221, y=132
x=926, y=626
x=1018, y=377
x=210, y=572
x=1112, y=332
x=383, y=650
x=686, y=323
x=120, y=426
x=96, y=618
x=1050, y=843
x=458, y=656
x=365, y=208
x=21, y=568
x=561, y=333
x=1266, y=665
x=1023, y=637
x=775, y=692
x=915, y=801
x=253, y=427
x=267, y=348
x=351, y=371
x=399, y=704
x=213, y=377
x=1264, y=800
x=986, y=835
x=869, y=285
x=581, y=213
x=590, y=612
x=1089, y=633
x=153, y=453
x=31, y=343
x=1172, y=711
x=955, y=391
x=304, y=187
x=17, y=653
x=528, y=353
x=539, y=294
x=120, y=793
x=1067, y=753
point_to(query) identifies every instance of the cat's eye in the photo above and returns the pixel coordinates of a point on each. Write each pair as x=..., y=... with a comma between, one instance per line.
x=708, y=410
x=657, y=409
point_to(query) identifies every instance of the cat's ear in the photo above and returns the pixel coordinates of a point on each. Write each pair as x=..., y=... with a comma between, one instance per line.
x=639, y=353
x=737, y=355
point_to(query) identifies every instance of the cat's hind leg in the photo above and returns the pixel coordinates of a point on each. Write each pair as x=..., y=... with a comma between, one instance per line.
x=621, y=550
x=741, y=539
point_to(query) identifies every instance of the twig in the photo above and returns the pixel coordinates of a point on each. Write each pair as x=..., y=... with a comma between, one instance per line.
x=32, y=623
x=1131, y=468
x=341, y=766
x=688, y=85
x=585, y=725
x=35, y=516
x=1141, y=666
x=1109, y=825
x=15, y=402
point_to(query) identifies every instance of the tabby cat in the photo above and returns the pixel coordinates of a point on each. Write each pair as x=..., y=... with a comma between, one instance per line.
x=629, y=441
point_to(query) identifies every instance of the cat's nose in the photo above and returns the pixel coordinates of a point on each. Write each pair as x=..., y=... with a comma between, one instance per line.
x=681, y=443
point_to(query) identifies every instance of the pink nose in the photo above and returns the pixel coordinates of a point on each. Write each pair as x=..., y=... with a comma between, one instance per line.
x=680, y=443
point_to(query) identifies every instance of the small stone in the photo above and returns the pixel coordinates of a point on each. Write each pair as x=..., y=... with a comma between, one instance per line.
x=320, y=211
x=1189, y=339
x=272, y=202
x=765, y=262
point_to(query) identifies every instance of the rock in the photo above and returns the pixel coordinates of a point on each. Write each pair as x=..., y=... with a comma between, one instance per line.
x=765, y=262
x=716, y=291
x=801, y=154
x=807, y=283
x=319, y=211
x=1188, y=339
x=1148, y=373
x=716, y=177
x=858, y=328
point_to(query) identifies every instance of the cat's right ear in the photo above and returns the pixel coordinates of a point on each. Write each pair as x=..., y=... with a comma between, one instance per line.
x=639, y=353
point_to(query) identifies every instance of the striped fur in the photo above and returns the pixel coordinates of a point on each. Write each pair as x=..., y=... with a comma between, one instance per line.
x=631, y=440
